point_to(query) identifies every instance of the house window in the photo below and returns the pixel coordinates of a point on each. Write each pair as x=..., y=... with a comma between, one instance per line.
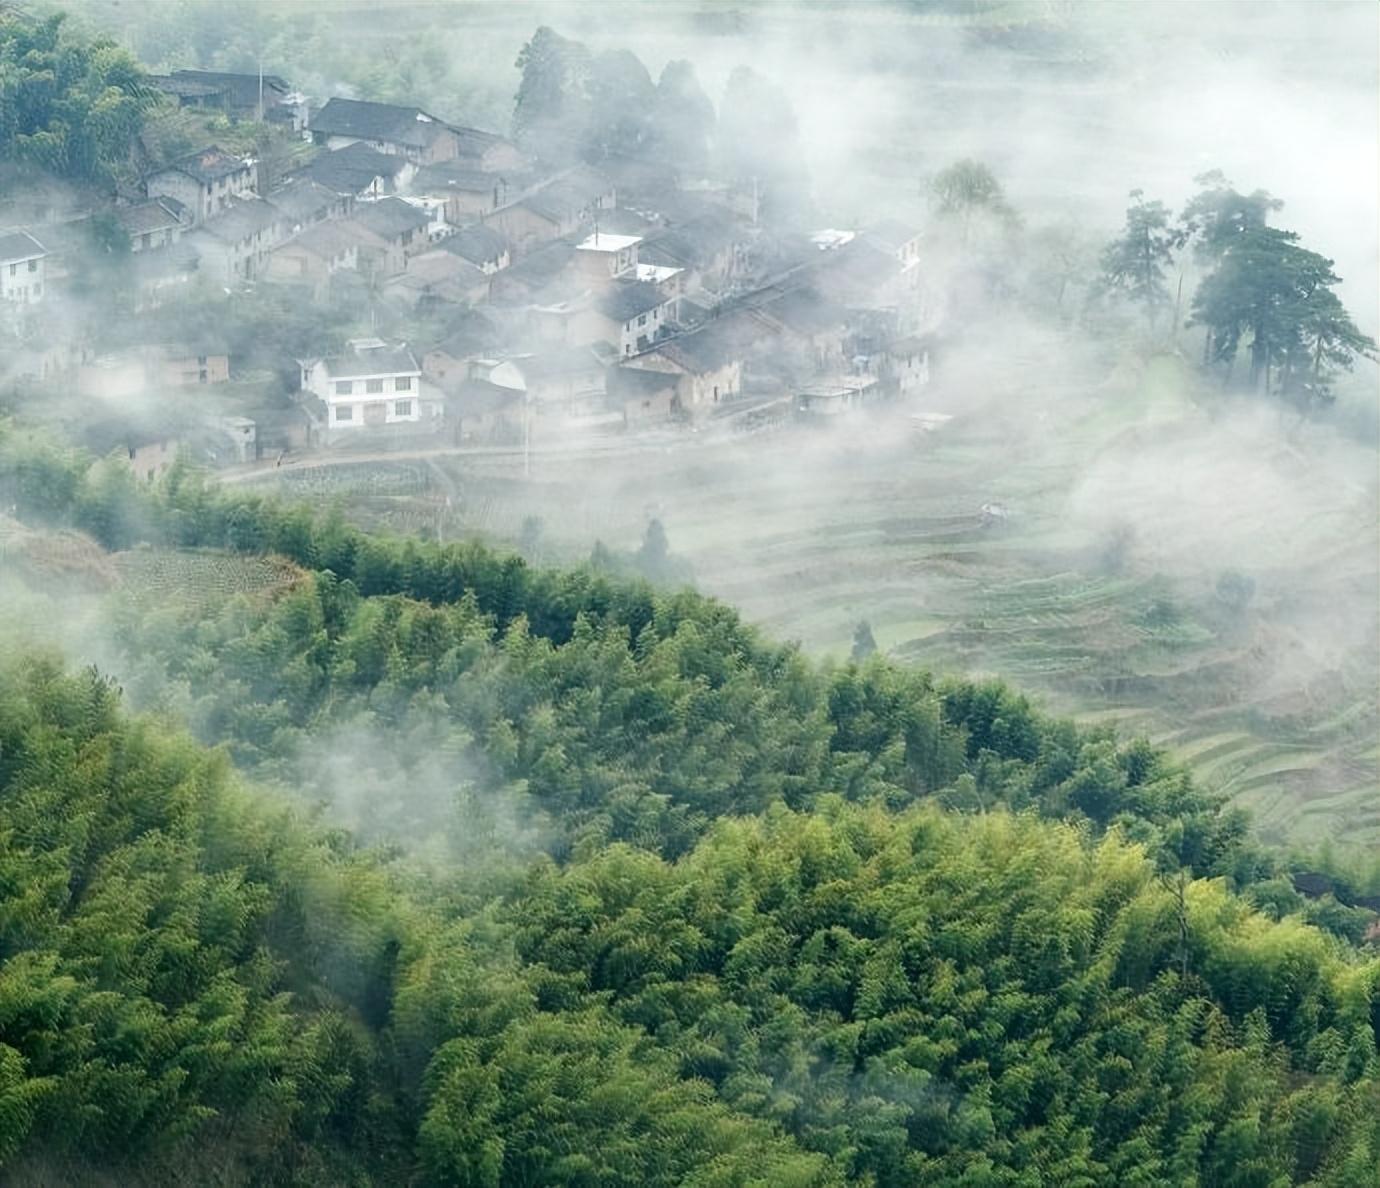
x=716, y=393
x=373, y=386
x=146, y=240
x=402, y=408
x=14, y=268
x=201, y=376
x=344, y=387
x=33, y=265
x=642, y=320
x=344, y=412
x=402, y=384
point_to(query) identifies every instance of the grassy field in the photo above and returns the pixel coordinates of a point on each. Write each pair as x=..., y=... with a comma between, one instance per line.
x=1122, y=502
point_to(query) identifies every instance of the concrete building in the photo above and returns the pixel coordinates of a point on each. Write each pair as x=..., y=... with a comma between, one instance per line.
x=372, y=385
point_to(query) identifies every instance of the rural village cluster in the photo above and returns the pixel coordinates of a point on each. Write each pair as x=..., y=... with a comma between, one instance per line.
x=574, y=301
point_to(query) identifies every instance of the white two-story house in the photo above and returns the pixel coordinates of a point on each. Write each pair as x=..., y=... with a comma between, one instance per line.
x=372, y=385
x=22, y=277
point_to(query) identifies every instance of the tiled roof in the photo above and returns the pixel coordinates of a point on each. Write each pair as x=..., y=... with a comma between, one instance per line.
x=207, y=165
x=624, y=300
x=20, y=245
x=377, y=121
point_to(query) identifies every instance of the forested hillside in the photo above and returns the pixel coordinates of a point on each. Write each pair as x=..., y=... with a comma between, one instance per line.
x=654, y=900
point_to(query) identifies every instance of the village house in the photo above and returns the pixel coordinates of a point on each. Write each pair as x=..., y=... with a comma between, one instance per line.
x=628, y=314
x=22, y=277
x=644, y=397
x=568, y=384
x=472, y=336
x=907, y=365
x=480, y=245
x=556, y=210
x=304, y=203
x=40, y=361
x=153, y=224
x=708, y=250
x=234, y=246
x=535, y=276
x=468, y=193
x=439, y=278
x=836, y=396
x=811, y=328
x=707, y=365
x=480, y=410
x=313, y=256
x=899, y=239
x=486, y=152
x=162, y=274
x=437, y=226
x=638, y=311
x=401, y=226
x=206, y=182
x=360, y=171
x=402, y=131
x=601, y=256
x=372, y=385
x=147, y=370
x=243, y=96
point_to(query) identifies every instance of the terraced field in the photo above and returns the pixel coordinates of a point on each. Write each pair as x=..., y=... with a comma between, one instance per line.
x=153, y=576
x=1070, y=540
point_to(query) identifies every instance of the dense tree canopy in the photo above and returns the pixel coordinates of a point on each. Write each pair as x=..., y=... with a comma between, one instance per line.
x=195, y=986
x=69, y=105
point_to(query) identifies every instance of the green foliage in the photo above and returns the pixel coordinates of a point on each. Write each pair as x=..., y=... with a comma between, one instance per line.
x=758, y=144
x=968, y=195
x=701, y=912
x=68, y=105
x=1271, y=295
x=1133, y=265
x=155, y=925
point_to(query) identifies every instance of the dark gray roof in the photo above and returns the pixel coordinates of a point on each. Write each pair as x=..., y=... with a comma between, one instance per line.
x=540, y=267
x=556, y=202
x=20, y=245
x=185, y=88
x=476, y=397
x=377, y=121
x=325, y=240
x=390, y=217
x=149, y=216
x=478, y=243
x=384, y=360
x=705, y=349
x=303, y=200
x=472, y=142
x=560, y=361
x=472, y=334
x=207, y=165
x=353, y=168
x=242, y=89
x=691, y=245
x=624, y=300
x=454, y=175
x=803, y=311
x=242, y=220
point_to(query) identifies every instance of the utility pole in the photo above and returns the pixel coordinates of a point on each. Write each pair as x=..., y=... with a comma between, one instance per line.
x=526, y=434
